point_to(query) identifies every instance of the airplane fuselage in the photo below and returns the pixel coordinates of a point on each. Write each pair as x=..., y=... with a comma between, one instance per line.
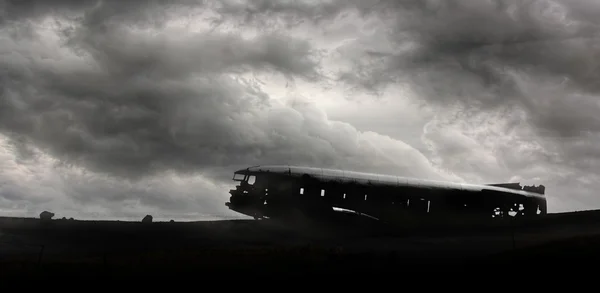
x=277, y=191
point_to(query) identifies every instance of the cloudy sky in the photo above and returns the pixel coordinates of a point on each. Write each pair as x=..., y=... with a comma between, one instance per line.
x=116, y=109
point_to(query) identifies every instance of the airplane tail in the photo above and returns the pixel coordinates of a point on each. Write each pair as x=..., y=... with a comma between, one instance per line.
x=541, y=189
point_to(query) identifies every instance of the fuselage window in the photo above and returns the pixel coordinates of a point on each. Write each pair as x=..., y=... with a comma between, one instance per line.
x=301, y=190
x=322, y=192
x=365, y=197
x=344, y=196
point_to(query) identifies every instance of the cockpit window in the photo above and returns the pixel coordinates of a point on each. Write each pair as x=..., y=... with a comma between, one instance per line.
x=238, y=177
x=251, y=179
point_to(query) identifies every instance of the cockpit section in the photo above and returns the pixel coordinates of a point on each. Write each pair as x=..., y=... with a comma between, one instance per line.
x=241, y=177
x=248, y=196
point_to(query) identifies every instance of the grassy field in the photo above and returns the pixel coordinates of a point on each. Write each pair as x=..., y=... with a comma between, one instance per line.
x=250, y=249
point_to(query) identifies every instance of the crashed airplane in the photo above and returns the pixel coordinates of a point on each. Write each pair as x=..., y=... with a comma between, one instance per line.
x=279, y=191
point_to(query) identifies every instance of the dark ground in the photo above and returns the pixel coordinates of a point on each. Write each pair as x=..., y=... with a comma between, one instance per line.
x=245, y=249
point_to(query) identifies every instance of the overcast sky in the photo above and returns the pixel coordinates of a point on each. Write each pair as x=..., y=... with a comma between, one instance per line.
x=117, y=109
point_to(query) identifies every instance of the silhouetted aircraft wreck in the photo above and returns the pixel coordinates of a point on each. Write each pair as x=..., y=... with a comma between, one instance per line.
x=278, y=191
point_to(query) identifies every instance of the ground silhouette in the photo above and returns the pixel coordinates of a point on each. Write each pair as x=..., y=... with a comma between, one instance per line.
x=251, y=249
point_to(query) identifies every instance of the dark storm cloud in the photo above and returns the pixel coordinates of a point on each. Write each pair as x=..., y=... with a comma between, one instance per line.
x=115, y=96
x=484, y=54
x=131, y=103
x=286, y=13
x=95, y=11
x=495, y=53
